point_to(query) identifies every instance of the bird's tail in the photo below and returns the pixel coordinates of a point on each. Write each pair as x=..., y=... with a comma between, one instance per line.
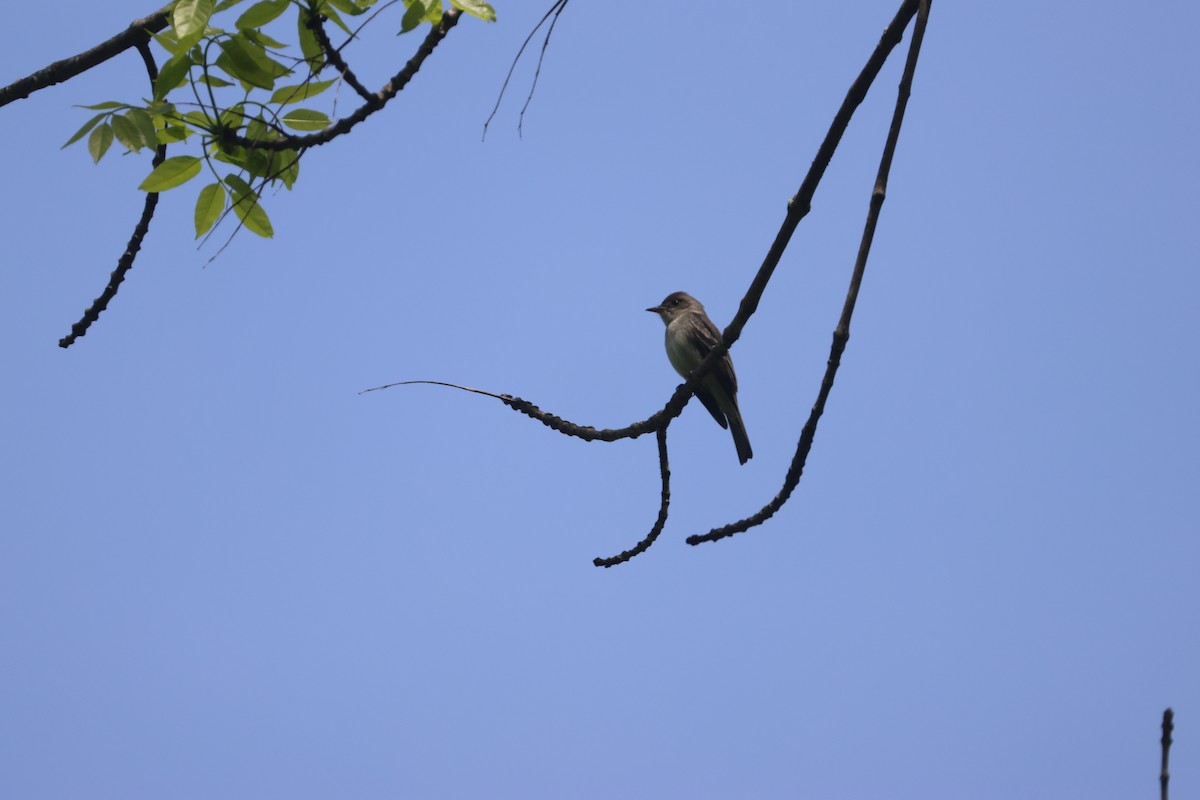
x=740, y=439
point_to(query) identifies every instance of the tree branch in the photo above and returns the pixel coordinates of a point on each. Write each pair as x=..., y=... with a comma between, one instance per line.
x=842, y=333
x=798, y=208
x=333, y=57
x=378, y=101
x=138, y=33
x=125, y=262
x=644, y=544
x=1164, y=776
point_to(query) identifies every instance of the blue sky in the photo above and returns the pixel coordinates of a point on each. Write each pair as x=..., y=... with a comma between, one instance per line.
x=225, y=573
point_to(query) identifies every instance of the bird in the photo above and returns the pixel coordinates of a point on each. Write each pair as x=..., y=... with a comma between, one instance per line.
x=691, y=335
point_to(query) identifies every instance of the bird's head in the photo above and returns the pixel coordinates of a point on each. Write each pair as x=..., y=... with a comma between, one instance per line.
x=675, y=305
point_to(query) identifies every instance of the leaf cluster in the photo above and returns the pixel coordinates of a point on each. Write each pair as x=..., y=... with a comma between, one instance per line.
x=223, y=86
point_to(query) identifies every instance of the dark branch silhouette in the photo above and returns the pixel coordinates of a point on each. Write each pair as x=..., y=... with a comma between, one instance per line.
x=1164, y=775
x=841, y=334
x=644, y=544
x=138, y=33
x=125, y=262
x=798, y=208
x=555, y=10
x=333, y=56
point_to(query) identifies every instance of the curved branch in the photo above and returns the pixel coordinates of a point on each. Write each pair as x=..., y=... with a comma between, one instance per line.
x=378, y=101
x=644, y=544
x=333, y=57
x=137, y=34
x=841, y=334
x=125, y=262
x=656, y=422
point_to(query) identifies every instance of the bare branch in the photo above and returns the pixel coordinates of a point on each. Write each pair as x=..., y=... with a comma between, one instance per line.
x=644, y=544
x=125, y=262
x=557, y=7
x=138, y=33
x=1164, y=776
x=842, y=333
x=333, y=57
x=656, y=422
x=537, y=73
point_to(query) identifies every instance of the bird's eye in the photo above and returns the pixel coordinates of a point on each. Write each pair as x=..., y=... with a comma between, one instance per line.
x=675, y=302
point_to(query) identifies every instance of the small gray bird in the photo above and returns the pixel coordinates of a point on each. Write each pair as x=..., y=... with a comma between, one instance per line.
x=691, y=335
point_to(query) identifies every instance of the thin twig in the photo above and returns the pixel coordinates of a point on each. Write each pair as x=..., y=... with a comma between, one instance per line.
x=137, y=33
x=557, y=5
x=537, y=73
x=842, y=333
x=125, y=262
x=644, y=544
x=656, y=422
x=1168, y=726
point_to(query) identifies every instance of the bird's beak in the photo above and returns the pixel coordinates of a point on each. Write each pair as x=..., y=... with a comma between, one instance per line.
x=656, y=309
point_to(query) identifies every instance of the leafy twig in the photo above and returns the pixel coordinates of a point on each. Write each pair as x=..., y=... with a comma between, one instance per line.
x=125, y=262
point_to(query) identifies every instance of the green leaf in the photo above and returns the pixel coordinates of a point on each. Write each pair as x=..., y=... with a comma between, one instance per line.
x=214, y=81
x=288, y=168
x=476, y=8
x=175, y=133
x=170, y=42
x=145, y=125
x=209, y=205
x=105, y=105
x=299, y=91
x=309, y=45
x=171, y=173
x=87, y=126
x=233, y=117
x=347, y=6
x=99, y=142
x=331, y=14
x=434, y=11
x=199, y=121
x=190, y=17
x=258, y=37
x=261, y=13
x=127, y=133
x=421, y=11
x=172, y=74
x=226, y=4
x=412, y=16
x=247, y=61
x=305, y=119
x=247, y=207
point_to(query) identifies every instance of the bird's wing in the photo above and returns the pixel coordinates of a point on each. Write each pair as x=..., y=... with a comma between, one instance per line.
x=707, y=339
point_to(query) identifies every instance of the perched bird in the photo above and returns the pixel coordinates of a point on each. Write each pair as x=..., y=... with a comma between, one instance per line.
x=690, y=337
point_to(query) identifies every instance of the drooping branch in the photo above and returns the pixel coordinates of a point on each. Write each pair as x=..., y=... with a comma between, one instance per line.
x=841, y=334
x=1164, y=775
x=379, y=99
x=665, y=501
x=138, y=33
x=125, y=262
